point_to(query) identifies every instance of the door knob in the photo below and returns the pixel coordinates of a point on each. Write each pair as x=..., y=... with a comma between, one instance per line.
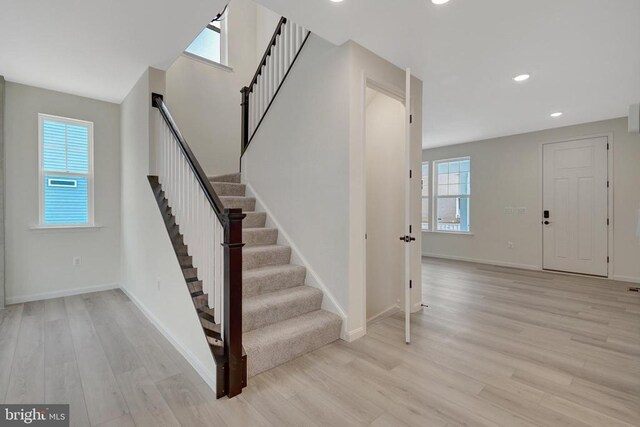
x=407, y=239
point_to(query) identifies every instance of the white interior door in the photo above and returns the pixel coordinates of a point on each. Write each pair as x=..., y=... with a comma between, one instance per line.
x=407, y=209
x=575, y=206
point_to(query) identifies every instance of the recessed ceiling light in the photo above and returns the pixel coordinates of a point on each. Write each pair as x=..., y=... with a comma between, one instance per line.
x=556, y=114
x=439, y=1
x=522, y=77
x=336, y=1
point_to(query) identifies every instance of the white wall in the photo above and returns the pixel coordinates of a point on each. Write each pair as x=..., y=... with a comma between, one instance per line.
x=205, y=99
x=39, y=262
x=385, y=201
x=506, y=172
x=298, y=163
x=151, y=275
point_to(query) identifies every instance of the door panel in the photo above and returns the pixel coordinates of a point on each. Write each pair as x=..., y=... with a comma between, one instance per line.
x=575, y=239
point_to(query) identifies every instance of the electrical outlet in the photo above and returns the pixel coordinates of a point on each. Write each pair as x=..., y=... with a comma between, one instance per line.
x=510, y=245
x=76, y=260
x=522, y=211
x=508, y=210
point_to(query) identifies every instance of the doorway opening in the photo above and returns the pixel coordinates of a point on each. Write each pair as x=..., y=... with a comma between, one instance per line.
x=385, y=166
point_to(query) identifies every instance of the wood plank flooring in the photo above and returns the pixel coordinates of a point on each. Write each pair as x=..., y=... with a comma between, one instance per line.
x=495, y=347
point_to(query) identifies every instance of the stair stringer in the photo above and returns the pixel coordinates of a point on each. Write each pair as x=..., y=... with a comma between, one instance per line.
x=312, y=279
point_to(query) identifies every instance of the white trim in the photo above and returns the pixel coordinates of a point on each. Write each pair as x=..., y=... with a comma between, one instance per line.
x=312, y=279
x=351, y=336
x=89, y=175
x=629, y=279
x=184, y=351
x=610, y=193
x=208, y=62
x=64, y=293
x=455, y=233
x=484, y=261
x=66, y=227
x=384, y=313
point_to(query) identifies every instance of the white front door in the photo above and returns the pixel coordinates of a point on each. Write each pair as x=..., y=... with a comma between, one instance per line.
x=575, y=206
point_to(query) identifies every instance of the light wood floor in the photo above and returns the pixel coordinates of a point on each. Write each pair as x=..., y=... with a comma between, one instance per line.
x=495, y=347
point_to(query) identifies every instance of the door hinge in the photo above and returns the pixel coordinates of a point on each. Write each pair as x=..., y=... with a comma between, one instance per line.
x=607, y=145
x=607, y=260
x=410, y=284
x=409, y=229
x=365, y=236
x=410, y=118
x=607, y=183
x=607, y=221
x=410, y=173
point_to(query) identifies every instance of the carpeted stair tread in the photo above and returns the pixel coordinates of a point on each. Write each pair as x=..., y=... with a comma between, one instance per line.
x=266, y=309
x=280, y=342
x=272, y=278
x=259, y=236
x=231, y=177
x=262, y=256
x=244, y=203
x=229, y=188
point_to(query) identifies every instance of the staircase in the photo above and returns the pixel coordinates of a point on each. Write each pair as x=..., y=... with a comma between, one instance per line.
x=281, y=316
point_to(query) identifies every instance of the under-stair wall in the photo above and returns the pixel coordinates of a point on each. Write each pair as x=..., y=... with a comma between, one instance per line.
x=151, y=275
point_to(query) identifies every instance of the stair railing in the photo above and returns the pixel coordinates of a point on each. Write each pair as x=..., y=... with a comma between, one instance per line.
x=213, y=235
x=282, y=51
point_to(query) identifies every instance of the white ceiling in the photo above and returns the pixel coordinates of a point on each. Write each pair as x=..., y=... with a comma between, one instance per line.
x=583, y=55
x=95, y=48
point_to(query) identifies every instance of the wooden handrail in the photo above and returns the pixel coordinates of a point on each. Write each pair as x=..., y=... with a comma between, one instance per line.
x=158, y=102
x=231, y=365
x=267, y=52
x=246, y=133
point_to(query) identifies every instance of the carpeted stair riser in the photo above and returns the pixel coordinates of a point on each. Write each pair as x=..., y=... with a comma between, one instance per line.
x=262, y=256
x=276, y=344
x=267, y=309
x=244, y=203
x=233, y=177
x=259, y=236
x=273, y=278
x=229, y=189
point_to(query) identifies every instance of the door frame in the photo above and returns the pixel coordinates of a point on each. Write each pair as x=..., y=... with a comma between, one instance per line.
x=610, y=195
x=398, y=94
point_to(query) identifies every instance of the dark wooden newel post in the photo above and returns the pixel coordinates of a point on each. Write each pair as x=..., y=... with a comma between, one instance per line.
x=232, y=336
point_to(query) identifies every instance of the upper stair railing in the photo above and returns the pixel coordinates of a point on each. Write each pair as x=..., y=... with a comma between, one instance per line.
x=213, y=235
x=282, y=52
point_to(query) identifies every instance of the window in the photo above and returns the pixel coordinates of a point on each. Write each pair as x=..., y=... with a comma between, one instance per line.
x=425, y=196
x=210, y=42
x=66, y=171
x=453, y=189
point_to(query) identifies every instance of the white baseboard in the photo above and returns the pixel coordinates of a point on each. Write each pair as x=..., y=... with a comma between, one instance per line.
x=184, y=351
x=384, y=313
x=484, y=261
x=350, y=336
x=329, y=303
x=629, y=279
x=58, y=294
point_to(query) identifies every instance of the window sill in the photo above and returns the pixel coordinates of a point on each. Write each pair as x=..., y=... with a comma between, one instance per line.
x=66, y=227
x=208, y=62
x=458, y=233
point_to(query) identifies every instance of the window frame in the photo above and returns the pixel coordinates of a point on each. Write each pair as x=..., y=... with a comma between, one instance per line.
x=223, y=33
x=89, y=175
x=430, y=197
x=436, y=196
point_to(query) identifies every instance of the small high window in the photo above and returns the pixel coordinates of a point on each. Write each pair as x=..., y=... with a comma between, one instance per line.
x=66, y=171
x=453, y=190
x=210, y=43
